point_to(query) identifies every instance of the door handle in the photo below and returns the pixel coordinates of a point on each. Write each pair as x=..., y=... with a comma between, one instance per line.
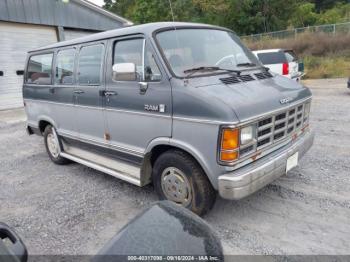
x=109, y=93
x=78, y=92
x=52, y=90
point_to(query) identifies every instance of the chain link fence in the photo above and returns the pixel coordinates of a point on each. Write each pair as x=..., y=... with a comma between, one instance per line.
x=331, y=29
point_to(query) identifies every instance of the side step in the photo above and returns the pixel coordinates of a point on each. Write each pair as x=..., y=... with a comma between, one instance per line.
x=119, y=169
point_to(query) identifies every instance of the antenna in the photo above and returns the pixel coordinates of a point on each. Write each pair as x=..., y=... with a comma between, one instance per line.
x=171, y=9
x=176, y=36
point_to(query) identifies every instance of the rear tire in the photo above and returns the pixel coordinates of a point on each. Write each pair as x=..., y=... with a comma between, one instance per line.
x=179, y=178
x=52, y=144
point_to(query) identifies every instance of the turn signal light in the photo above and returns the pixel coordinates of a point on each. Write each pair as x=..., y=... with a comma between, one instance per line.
x=229, y=156
x=229, y=140
x=229, y=145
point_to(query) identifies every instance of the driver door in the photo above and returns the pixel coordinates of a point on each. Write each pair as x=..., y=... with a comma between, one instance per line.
x=139, y=110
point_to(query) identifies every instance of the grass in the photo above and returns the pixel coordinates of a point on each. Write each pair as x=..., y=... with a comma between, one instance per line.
x=324, y=55
x=327, y=66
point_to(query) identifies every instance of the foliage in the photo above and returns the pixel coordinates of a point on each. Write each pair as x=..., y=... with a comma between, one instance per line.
x=243, y=16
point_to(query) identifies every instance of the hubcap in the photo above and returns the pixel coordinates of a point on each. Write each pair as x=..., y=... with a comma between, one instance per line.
x=176, y=186
x=52, y=145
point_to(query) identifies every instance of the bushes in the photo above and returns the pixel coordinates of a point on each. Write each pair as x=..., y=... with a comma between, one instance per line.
x=327, y=67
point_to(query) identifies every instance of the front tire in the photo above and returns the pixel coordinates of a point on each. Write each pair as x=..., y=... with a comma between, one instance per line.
x=52, y=144
x=179, y=178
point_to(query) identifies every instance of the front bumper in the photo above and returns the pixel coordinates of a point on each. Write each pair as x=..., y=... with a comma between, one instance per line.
x=249, y=179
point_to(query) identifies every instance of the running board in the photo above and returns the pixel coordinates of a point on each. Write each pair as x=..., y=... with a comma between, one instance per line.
x=117, y=168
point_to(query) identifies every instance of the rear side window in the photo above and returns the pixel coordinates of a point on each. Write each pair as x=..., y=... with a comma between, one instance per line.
x=65, y=67
x=90, y=65
x=291, y=56
x=40, y=69
x=272, y=58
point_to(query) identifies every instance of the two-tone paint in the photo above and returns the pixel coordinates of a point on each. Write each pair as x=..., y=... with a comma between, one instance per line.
x=195, y=108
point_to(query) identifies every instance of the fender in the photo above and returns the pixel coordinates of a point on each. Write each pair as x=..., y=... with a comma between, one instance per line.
x=47, y=119
x=187, y=148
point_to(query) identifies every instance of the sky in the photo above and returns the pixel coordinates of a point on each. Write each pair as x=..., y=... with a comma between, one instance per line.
x=97, y=2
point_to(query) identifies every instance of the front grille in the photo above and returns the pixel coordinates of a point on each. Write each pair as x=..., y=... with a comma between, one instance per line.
x=277, y=127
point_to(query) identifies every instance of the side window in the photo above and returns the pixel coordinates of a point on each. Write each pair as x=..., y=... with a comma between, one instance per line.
x=90, y=64
x=152, y=72
x=65, y=67
x=40, y=69
x=130, y=51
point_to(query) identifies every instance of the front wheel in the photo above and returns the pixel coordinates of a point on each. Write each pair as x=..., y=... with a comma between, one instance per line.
x=179, y=178
x=52, y=144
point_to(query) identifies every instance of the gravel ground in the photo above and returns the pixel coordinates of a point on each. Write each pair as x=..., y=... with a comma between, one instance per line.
x=75, y=210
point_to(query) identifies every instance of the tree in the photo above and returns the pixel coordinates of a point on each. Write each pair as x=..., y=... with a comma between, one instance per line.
x=322, y=5
x=304, y=15
x=243, y=16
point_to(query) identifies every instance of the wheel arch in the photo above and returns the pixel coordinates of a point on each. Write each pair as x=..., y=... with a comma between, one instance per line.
x=43, y=122
x=159, y=146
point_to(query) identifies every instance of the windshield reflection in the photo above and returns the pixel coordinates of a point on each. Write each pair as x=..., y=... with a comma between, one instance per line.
x=185, y=49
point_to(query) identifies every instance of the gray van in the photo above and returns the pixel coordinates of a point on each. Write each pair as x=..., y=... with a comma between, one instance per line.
x=184, y=106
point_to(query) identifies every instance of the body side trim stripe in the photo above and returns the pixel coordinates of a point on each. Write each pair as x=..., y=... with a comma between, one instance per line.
x=98, y=143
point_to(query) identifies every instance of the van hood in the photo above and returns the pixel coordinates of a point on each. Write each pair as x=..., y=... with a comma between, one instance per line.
x=251, y=99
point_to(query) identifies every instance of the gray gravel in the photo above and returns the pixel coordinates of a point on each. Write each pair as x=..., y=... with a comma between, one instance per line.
x=75, y=210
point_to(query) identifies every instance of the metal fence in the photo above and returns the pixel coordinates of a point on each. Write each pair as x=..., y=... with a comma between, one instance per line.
x=331, y=29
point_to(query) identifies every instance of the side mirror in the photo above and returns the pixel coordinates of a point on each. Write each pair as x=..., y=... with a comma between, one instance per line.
x=124, y=72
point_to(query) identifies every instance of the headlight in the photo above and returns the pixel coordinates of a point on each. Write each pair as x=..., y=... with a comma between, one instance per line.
x=247, y=135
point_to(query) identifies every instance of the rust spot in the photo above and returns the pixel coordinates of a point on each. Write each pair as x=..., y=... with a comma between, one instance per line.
x=304, y=128
x=107, y=136
x=255, y=156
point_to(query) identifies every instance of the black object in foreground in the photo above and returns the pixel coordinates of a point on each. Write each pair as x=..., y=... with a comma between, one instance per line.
x=163, y=230
x=15, y=250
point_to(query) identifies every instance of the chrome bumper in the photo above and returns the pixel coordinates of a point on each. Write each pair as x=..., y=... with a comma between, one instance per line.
x=249, y=179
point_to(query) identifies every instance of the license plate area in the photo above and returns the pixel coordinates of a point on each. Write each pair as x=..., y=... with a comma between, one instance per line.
x=292, y=161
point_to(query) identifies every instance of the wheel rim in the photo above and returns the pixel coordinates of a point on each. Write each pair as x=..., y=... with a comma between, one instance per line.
x=52, y=145
x=175, y=185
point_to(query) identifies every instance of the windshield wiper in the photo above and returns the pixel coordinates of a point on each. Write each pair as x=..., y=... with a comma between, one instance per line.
x=191, y=71
x=246, y=64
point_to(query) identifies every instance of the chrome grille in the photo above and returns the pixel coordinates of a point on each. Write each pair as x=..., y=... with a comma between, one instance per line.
x=277, y=127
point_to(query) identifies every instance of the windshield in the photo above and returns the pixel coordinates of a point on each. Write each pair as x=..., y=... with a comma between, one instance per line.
x=186, y=49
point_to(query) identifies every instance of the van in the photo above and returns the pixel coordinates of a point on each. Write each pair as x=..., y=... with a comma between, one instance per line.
x=186, y=107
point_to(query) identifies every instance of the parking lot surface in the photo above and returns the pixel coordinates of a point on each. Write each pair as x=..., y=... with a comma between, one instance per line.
x=75, y=210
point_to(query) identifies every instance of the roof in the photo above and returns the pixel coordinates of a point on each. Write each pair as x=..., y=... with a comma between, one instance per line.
x=79, y=14
x=146, y=29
